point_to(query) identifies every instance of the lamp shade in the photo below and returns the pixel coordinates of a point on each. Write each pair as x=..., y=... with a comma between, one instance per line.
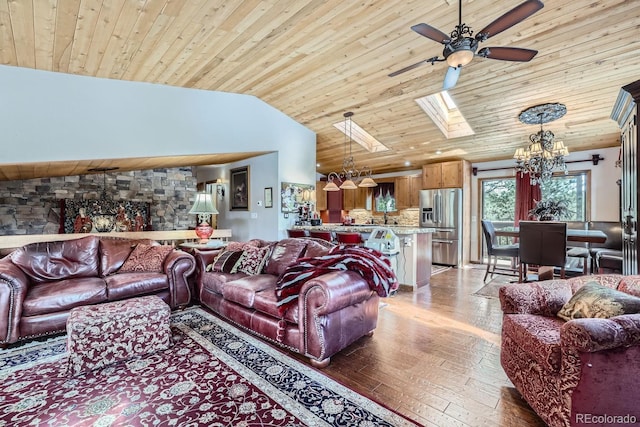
x=367, y=182
x=203, y=205
x=461, y=57
x=519, y=154
x=331, y=186
x=348, y=185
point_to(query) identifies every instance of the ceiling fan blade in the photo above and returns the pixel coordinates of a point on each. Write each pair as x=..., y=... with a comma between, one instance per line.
x=431, y=33
x=511, y=18
x=508, y=53
x=411, y=67
x=451, y=78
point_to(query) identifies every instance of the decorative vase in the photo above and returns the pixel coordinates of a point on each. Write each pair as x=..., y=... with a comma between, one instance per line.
x=204, y=231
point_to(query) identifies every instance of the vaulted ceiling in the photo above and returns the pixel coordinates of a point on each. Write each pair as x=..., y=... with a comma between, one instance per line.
x=316, y=59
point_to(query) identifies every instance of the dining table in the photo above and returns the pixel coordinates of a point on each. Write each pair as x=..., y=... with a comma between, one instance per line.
x=573, y=234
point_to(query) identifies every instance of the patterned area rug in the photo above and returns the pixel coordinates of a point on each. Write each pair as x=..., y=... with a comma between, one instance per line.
x=491, y=289
x=213, y=375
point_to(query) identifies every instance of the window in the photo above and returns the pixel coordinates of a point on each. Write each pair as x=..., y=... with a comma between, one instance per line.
x=572, y=189
x=499, y=195
x=498, y=199
x=384, y=197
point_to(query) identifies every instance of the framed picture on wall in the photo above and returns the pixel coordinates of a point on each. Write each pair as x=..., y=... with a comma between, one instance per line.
x=239, y=186
x=268, y=197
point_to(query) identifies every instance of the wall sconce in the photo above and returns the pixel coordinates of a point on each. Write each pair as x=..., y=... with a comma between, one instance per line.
x=220, y=188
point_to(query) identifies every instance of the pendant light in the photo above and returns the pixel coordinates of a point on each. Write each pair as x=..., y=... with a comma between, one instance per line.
x=350, y=175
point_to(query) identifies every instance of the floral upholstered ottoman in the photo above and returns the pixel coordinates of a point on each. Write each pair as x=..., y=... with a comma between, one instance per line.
x=99, y=335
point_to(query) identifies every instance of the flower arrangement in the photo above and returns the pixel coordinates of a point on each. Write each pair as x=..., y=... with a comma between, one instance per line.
x=549, y=210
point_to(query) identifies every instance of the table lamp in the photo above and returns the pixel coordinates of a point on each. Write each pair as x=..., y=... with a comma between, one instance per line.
x=203, y=207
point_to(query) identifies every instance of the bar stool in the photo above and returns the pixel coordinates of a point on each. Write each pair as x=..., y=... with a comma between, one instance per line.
x=324, y=235
x=297, y=233
x=349, y=238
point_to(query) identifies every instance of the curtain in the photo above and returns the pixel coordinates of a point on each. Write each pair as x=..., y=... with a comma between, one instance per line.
x=527, y=196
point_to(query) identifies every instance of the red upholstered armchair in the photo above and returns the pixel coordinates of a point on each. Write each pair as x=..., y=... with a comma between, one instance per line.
x=577, y=372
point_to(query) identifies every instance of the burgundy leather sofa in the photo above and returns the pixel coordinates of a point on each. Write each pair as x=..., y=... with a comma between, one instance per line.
x=41, y=282
x=332, y=312
x=576, y=372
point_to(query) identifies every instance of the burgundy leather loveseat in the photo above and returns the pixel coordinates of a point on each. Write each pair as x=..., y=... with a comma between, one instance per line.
x=571, y=352
x=332, y=311
x=41, y=282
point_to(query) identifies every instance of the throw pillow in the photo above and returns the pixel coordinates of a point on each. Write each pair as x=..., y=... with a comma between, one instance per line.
x=146, y=258
x=252, y=260
x=225, y=261
x=284, y=253
x=317, y=248
x=595, y=300
x=115, y=251
x=240, y=246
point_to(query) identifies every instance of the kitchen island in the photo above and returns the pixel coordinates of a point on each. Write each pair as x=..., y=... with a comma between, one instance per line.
x=414, y=257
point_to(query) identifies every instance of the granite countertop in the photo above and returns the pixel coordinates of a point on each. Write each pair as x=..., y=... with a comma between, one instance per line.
x=366, y=228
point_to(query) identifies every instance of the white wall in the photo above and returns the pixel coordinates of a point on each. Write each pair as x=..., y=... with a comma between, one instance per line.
x=48, y=116
x=605, y=200
x=259, y=222
x=69, y=117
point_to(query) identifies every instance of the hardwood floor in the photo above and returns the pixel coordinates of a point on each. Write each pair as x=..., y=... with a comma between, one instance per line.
x=435, y=357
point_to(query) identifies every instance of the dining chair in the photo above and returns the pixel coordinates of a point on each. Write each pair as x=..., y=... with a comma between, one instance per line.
x=577, y=252
x=544, y=244
x=496, y=251
x=296, y=233
x=613, y=244
x=349, y=238
x=324, y=235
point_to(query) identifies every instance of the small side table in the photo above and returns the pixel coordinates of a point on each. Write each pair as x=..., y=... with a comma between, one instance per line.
x=190, y=246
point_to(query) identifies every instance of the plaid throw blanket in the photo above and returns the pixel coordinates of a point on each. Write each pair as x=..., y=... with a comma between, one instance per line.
x=369, y=263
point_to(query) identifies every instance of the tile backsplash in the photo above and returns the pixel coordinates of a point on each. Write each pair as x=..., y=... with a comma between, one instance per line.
x=404, y=217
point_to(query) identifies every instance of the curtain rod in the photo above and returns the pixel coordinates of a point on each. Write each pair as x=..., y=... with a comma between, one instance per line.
x=595, y=158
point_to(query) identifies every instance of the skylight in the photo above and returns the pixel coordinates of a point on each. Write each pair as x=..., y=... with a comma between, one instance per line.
x=445, y=114
x=362, y=137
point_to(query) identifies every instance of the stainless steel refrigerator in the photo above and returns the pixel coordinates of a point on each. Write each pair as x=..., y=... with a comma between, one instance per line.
x=442, y=209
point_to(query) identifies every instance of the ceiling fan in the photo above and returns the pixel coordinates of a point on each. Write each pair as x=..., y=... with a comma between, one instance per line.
x=460, y=46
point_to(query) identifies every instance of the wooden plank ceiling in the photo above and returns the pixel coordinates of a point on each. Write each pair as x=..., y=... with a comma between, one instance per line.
x=316, y=59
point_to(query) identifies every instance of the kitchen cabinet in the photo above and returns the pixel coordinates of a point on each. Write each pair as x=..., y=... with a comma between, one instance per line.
x=445, y=175
x=334, y=200
x=355, y=199
x=321, y=196
x=453, y=174
x=408, y=191
x=625, y=112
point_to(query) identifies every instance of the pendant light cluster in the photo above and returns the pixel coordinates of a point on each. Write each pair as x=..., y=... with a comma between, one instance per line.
x=543, y=155
x=350, y=175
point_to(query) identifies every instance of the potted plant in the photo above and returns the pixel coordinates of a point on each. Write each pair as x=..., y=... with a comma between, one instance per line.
x=549, y=210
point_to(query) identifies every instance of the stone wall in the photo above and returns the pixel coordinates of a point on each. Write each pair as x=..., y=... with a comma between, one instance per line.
x=33, y=206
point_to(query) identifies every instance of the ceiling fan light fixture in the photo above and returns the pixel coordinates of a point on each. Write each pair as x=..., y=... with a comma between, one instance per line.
x=460, y=57
x=460, y=45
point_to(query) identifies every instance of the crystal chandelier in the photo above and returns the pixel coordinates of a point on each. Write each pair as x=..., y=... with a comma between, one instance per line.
x=349, y=172
x=543, y=155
